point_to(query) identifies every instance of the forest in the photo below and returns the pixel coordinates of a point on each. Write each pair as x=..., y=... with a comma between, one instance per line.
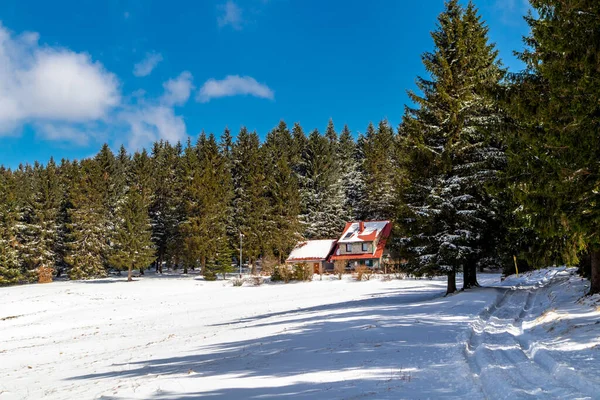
x=487, y=169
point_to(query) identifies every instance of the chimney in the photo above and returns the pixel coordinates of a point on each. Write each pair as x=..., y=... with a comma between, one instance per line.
x=361, y=226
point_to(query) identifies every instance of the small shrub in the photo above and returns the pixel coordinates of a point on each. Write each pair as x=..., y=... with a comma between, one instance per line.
x=303, y=272
x=210, y=275
x=276, y=275
x=361, y=271
x=45, y=274
x=256, y=280
x=339, y=267
x=386, y=278
x=286, y=273
x=237, y=281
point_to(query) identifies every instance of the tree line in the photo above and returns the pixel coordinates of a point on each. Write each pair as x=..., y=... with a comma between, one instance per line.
x=487, y=168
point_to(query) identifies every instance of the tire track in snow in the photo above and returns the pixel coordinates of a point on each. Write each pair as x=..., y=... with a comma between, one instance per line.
x=498, y=359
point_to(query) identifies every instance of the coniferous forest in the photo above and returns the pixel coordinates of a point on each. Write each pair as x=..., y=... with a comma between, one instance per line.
x=487, y=168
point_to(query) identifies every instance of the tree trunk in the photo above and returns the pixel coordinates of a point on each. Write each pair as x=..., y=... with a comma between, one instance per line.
x=466, y=280
x=470, y=275
x=451, y=282
x=203, y=265
x=129, y=278
x=595, y=276
x=253, y=270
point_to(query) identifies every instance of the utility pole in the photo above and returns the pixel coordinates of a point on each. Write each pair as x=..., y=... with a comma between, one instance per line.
x=241, y=236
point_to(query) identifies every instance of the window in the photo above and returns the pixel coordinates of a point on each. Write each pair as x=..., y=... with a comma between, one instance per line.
x=369, y=263
x=365, y=247
x=348, y=235
x=348, y=247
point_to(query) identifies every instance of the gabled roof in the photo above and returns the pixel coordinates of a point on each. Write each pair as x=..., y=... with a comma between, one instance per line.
x=372, y=230
x=317, y=250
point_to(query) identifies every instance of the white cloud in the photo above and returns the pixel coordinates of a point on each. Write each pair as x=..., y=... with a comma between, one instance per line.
x=177, y=91
x=152, y=120
x=50, y=84
x=147, y=65
x=233, y=85
x=231, y=14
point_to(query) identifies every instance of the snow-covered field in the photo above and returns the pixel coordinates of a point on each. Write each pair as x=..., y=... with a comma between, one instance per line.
x=183, y=338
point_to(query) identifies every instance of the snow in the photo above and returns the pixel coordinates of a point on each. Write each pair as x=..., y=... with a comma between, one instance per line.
x=178, y=337
x=312, y=250
x=370, y=227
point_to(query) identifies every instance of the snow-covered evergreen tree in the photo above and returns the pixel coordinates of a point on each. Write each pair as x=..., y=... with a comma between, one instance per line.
x=322, y=192
x=379, y=174
x=448, y=148
x=11, y=264
x=352, y=180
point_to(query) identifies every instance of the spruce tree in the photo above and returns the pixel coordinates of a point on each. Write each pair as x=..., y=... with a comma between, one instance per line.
x=379, y=173
x=555, y=104
x=132, y=246
x=88, y=244
x=207, y=196
x=448, y=150
x=283, y=192
x=350, y=163
x=11, y=265
x=323, y=212
x=44, y=224
x=251, y=204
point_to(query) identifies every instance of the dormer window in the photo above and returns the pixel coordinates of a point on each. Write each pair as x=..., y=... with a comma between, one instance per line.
x=365, y=247
x=348, y=247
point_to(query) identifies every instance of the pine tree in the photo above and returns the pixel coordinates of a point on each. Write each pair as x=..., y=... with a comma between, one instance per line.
x=133, y=247
x=251, y=204
x=283, y=192
x=555, y=104
x=322, y=194
x=379, y=173
x=448, y=151
x=87, y=244
x=351, y=174
x=44, y=225
x=207, y=196
x=11, y=265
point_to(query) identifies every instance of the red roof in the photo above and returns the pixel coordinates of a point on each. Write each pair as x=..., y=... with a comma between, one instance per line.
x=385, y=234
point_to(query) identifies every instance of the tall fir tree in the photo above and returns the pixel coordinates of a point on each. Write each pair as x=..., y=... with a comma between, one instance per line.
x=555, y=105
x=350, y=162
x=379, y=173
x=322, y=195
x=251, y=204
x=132, y=247
x=448, y=150
x=283, y=192
x=88, y=244
x=12, y=268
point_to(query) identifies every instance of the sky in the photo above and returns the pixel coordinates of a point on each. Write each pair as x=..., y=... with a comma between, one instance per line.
x=75, y=74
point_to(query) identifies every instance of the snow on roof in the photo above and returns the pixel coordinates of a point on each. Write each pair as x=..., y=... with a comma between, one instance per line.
x=371, y=231
x=312, y=250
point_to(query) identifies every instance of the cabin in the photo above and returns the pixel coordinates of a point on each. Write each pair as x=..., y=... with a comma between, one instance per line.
x=363, y=243
x=313, y=252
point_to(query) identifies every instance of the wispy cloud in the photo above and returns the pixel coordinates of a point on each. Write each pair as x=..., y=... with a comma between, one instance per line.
x=44, y=83
x=147, y=65
x=233, y=85
x=150, y=120
x=230, y=14
x=68, y=97
x=177, y=91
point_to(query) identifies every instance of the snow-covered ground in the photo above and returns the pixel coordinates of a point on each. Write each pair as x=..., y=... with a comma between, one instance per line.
x=183, y=338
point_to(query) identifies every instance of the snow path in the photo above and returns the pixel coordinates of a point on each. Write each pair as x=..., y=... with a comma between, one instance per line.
x=502, y=356
x=175, y=337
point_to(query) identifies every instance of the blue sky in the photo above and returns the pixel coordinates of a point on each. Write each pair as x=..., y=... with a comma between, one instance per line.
x=75, y=74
